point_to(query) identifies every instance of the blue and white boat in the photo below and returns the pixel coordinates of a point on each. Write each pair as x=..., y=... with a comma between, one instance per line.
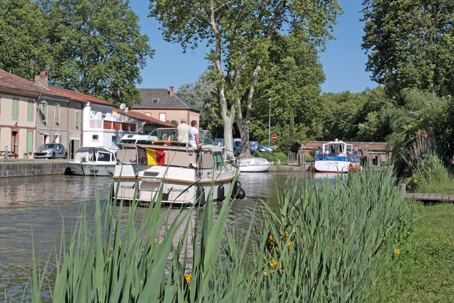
x=337, y=156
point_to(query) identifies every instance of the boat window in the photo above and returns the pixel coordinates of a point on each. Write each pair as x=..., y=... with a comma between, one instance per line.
x=104, y=157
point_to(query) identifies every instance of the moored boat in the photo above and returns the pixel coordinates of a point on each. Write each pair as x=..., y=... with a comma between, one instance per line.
x=254, y=165
x=337, y=156
x=187, y=175
x=89, y=161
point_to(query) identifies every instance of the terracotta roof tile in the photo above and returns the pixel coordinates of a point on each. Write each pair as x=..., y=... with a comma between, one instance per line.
x=165, y=100
x=10, y=81
x=143, y=117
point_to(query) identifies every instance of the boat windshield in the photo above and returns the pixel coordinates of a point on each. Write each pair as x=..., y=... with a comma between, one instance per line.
x=163, y=134
x=205, y=137
x=104, y=157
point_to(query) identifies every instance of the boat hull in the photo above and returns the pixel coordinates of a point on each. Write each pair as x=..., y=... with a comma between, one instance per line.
x=180, y=185
x=256, y=168
x=336, y=164
x=90, y=169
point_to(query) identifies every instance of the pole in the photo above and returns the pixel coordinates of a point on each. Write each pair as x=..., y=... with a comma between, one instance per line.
x=269, y=125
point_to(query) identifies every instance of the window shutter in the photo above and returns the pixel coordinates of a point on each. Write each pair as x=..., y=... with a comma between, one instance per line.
x=29, y=142
x=15, y=109
x=44, y=112
x=55, y=139
x=77, y=118
x=30, y=111
x=57, y=114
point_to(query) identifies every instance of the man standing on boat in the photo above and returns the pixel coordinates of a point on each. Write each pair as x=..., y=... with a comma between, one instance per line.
x=182, y=132
x=193, y=135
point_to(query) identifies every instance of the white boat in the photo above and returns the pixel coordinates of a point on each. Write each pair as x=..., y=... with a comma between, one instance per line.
x=187, y=175
x=89, y=161
x=337, y=156
x=254, y=165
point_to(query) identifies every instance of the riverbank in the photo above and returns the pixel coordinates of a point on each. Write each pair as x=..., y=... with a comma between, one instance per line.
x=24, y=168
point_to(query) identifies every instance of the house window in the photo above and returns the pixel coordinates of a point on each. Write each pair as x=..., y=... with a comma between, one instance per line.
x=77, y=119
x=107, y=124
x=43, y=111
x=56, y=138
x=57, y=114
x=162, y=117
x=95, y=137
x=148, y=114
x=30, y=111
x=125, y=126
x=133, y=127
x=114, y=141
x=15, y=109
x=155, y=100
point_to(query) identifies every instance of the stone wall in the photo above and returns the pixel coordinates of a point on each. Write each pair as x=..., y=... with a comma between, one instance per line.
x=22, y=169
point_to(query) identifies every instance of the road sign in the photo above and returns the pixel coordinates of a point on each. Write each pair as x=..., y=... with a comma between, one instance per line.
x=274, y=137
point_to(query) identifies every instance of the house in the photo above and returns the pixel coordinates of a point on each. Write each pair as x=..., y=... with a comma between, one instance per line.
x=163, y=104
x=34, y=113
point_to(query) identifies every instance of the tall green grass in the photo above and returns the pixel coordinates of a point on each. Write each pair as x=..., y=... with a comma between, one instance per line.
x=323, y=243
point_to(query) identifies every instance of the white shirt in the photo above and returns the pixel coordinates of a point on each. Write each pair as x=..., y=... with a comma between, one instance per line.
x=191, y=135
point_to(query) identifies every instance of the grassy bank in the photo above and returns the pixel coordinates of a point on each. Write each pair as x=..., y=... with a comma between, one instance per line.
x=423, y=270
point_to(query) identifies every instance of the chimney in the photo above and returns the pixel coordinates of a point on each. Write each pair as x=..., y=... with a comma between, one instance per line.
x=171, y=91
x=42, y=79
x=126, y=110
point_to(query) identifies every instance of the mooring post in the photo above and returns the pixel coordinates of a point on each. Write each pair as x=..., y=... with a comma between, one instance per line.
x=6, y=153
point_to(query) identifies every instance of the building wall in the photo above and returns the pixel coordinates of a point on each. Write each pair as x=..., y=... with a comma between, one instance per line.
x=94, y=134
x=48, y=130
x=19, y=126
x=171, y=114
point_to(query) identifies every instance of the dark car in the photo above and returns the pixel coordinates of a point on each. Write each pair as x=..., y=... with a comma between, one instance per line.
x=51, y=150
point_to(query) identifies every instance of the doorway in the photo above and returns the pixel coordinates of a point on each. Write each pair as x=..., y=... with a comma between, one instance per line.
x=73, y=146
x=14, y=142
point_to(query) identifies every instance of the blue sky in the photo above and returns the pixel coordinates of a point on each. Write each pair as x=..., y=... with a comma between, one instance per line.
x=343, y=60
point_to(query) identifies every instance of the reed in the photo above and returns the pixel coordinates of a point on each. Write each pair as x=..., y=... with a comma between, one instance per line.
x=322, y=244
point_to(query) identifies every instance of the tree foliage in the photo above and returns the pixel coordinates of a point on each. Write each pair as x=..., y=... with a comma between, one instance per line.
x=23, y=31
x=426, y=112
x=291, y=78
x=97, y=48
x=202, y=94
x=92, y=46
x=241, y=33
x=410, y=44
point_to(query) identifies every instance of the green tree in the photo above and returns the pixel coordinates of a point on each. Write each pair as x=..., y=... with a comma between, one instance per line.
x=201, y=94
x=24, y=50
x=426, y=112
x=97, y=48
x=241, y=33
x=291, y=78
x=410, y=44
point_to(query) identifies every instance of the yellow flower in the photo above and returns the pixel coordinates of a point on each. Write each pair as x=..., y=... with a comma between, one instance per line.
x=430, y=170
x=273, y=263
x=290, y=245
x=265, y=274
x=407, y=232
x=188, y=278
x=286, y=235
x=397, y=251
x=272, y=240
x=414, y=176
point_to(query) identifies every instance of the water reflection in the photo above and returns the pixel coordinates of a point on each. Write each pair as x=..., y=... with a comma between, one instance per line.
x=39, y=204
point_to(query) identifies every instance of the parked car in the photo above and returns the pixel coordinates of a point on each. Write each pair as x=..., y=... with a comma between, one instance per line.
x=254, y=146
x=265, y=149
x=51, y=150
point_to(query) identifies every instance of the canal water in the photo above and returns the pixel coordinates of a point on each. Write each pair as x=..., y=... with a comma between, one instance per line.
x=34, y=209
